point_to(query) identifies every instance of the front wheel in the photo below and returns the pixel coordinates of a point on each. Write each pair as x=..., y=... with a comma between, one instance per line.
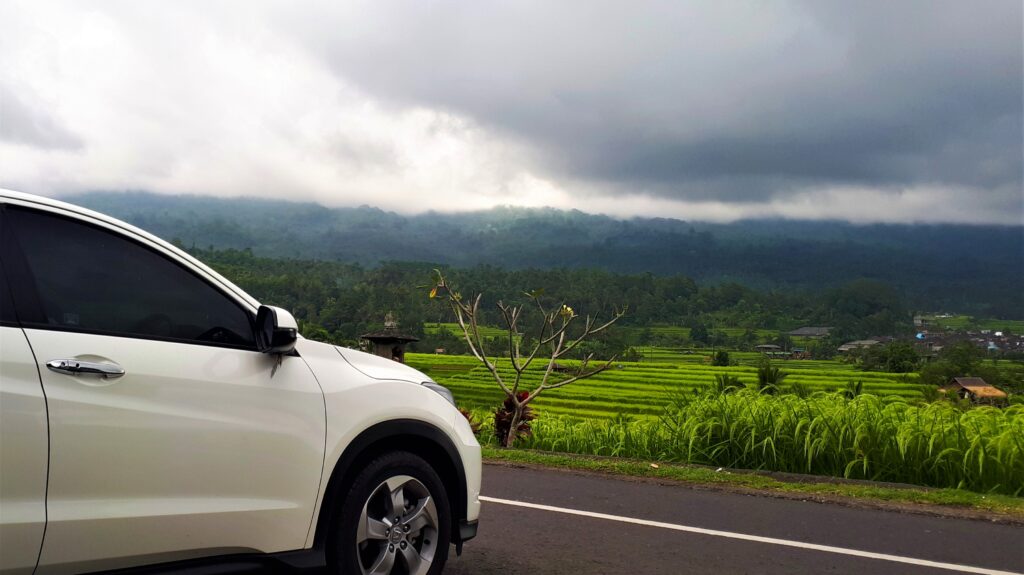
x=395, y=519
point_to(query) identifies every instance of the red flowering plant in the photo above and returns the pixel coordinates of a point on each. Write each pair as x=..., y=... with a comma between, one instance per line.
x=473, y=423
x=556, y=335
x=505, y=414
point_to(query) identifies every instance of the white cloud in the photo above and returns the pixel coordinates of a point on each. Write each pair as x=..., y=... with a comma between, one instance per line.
x=229, y=108
x=234, y=98
x=856, y=205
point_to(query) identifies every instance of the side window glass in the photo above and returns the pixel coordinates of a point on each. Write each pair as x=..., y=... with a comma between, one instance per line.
x=7, y=316
x=90, y=279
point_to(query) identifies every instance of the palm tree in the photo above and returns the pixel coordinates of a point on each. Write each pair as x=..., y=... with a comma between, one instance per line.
x=853, y=389
x=726, y=383
x=769, y=378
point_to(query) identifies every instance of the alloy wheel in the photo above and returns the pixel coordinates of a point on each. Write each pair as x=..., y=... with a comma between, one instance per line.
x=397, y=530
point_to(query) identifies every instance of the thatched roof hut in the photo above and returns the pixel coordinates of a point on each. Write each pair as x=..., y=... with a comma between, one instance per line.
x=976, y=389
x=390, y=342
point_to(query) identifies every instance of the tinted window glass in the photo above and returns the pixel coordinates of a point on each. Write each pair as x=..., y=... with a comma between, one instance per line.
x=92, y=280
x=7, y=316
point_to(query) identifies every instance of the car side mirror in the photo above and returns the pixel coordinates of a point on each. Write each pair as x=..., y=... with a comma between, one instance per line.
x=276, y=330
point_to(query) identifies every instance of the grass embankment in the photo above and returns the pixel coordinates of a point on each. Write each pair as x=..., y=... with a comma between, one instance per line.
x=1003, y=506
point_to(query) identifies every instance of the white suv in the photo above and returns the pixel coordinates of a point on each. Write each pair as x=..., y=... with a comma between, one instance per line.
x=153, y=413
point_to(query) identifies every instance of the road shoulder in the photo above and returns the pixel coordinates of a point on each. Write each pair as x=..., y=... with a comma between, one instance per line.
x=898, y=498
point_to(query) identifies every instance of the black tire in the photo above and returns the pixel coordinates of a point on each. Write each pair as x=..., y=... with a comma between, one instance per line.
x=371, y=496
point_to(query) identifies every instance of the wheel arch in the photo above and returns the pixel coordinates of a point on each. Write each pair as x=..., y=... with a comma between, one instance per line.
x=414, y=436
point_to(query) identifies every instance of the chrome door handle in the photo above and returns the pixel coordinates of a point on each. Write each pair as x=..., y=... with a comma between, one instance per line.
x=76, y=367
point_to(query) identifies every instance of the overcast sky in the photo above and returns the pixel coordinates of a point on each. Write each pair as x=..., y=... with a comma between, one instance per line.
x=866, y=111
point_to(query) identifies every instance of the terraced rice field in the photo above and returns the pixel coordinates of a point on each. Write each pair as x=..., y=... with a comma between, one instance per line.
x=747, y=358
x=684, y=332
x=454, y=328
x=672, y=355
x=657, y=330
x=656, y=411
x=639, y=389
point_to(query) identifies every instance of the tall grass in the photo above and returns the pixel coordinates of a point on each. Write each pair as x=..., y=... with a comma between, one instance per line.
x=937, y=444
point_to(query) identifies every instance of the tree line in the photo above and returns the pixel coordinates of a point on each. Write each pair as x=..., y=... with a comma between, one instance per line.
x=338, y=302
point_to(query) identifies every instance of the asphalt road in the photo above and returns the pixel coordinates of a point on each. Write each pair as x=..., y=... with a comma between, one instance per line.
x=521, y=540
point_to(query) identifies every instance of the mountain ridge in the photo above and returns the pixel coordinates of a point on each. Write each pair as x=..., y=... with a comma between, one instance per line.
x=938, y=266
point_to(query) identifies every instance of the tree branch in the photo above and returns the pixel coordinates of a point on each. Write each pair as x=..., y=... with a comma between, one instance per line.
x=580, y=376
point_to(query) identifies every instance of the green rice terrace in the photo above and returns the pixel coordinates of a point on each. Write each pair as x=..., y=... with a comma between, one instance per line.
x=632, y=333
x=485, y=331
x=665, y=411
x=644, y=389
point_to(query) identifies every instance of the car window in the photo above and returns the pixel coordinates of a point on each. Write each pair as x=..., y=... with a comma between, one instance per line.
x=7, y=316
x=90, y=279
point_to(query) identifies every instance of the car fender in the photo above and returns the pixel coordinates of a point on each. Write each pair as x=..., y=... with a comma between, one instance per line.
x=362, y=411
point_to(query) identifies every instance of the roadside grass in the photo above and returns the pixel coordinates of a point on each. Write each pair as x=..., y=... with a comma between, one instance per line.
x=1005, y=506
x=938, y=445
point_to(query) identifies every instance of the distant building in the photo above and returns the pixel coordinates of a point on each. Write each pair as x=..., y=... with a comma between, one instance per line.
x=561, y=367
x=857, y=344
x=773, y=351
x=976, y=390
x=811, y=332
x=389, y=343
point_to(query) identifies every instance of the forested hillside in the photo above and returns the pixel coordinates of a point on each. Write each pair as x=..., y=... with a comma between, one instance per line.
x=337, y=302
x=970, y=269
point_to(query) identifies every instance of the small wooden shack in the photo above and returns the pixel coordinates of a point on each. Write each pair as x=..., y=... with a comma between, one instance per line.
x=857, y=344
x=976, y=390
x=390, y=342
x=811, y=332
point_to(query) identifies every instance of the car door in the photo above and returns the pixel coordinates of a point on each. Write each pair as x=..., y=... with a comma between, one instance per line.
x=203, y=446
x=23, y=445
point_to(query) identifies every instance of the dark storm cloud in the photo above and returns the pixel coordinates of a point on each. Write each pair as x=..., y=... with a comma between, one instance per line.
x=22, y=124
x=732, y=101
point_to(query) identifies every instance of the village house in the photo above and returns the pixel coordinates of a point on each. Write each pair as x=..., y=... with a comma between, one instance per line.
x=975, y=389
x=929, y=343
x=865, y=343
x=857, y=344
x=773, y=351
x=811, y=332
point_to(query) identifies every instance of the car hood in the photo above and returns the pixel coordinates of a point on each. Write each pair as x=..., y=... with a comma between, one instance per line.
x=381, y=367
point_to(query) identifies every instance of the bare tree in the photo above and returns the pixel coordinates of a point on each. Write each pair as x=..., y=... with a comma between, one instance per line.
x=553, y=340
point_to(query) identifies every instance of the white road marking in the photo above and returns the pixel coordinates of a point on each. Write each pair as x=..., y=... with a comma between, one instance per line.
x=755, y=538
